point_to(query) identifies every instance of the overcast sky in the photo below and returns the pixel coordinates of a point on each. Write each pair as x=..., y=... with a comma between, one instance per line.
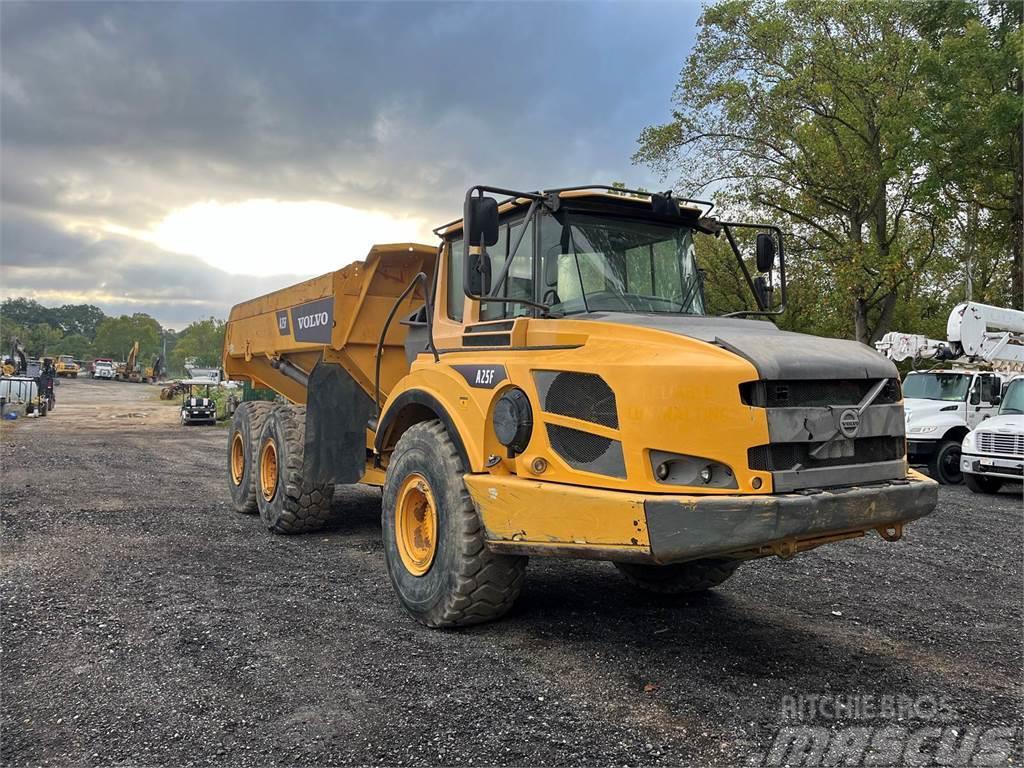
x=178, y=158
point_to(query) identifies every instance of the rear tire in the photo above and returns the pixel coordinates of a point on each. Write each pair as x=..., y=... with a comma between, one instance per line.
x=679, y=578
x=979, y=484
x=243, y=440
x=288, y=503
x=944, y=465
x=451, y=579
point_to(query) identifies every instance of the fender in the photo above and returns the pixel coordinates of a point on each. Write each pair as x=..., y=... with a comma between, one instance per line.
x=420, y=399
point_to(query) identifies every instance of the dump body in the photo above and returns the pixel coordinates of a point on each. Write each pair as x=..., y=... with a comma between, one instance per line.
x=337, y=317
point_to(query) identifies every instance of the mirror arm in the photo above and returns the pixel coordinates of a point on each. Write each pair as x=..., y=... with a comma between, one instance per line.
x=782, y=267
x=530, y=214
x=743, y=266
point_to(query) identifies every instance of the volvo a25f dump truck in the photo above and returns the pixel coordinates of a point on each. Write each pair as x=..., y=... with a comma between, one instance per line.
x=546, y=382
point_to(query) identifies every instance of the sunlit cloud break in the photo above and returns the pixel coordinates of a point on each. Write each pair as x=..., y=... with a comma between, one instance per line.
x=272, y=237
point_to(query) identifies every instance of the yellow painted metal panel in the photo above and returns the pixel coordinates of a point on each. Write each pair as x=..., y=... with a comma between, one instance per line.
x=514, y=509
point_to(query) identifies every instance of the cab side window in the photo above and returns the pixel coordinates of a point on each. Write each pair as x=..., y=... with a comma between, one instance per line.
x=519, y=280
x=456, y=295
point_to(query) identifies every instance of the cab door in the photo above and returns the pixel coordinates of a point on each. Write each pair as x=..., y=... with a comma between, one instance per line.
x=983, y=402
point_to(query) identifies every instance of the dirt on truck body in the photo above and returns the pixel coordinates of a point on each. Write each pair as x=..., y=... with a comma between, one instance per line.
x=546, y=382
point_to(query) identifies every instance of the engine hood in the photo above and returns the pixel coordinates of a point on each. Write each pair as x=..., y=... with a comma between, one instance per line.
x=777, y=355
x=1011, y=423
x=918, y=410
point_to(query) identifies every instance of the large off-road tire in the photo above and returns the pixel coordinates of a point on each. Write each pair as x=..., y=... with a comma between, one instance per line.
x=679, y=578
x=243, y=443
x=944, y=465
x=287, y=502
x=433, y=539
x=980, y=484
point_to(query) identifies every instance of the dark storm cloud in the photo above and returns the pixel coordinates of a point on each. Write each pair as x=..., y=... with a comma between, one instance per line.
x=121, y=113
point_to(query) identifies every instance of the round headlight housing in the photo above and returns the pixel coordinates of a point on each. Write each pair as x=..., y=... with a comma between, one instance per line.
x=513, y=420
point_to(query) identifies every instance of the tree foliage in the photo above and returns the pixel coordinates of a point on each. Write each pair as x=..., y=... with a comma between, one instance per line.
x=116, y=335
x=201, y=342
x=829, y=117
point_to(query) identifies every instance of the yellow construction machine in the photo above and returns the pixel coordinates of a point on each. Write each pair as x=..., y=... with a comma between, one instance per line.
x=65, y=365
x=131, y=370
x=556, y=388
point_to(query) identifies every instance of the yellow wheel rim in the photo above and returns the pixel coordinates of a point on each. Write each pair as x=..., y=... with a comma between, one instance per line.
x=268, y=469
x=416, y=525
x=237, y=459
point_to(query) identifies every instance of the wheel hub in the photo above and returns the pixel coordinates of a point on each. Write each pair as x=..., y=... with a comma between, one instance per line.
x=237, y=459
x=268, y=469
x=416, y=525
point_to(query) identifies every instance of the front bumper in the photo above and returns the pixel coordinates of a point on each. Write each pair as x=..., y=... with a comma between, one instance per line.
x=530, y=517
x=203, y=415
x=722, y=525
x=920, y=451
x=1007, y=467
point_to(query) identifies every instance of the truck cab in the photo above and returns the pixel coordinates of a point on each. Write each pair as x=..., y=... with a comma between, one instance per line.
x=941, y=407
x=66, y=366
x=993, y=452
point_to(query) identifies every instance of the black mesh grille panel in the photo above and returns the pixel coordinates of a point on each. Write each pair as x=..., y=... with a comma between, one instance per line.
x=583, y=396
x=783, y=456
x=811, y=393
x=583, y=450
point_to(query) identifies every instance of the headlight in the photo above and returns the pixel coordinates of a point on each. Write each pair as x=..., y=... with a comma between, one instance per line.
x=968, y=443
x=922, y=430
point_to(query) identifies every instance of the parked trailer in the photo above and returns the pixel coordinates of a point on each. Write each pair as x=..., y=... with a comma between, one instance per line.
x=562, y=395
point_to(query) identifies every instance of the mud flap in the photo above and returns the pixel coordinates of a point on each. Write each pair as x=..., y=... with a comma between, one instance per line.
x=337, y=410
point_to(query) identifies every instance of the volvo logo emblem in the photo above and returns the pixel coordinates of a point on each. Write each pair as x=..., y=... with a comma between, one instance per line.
x=849, y=422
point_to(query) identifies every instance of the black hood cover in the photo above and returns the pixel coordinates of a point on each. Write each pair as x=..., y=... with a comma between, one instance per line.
x=777, y=355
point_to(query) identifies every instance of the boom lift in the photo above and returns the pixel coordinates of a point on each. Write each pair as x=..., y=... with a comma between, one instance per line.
x=546, y=382
x=985, y=346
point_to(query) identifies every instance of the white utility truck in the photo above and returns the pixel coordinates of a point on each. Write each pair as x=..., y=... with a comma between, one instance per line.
x=994, y=452
x=986, y=346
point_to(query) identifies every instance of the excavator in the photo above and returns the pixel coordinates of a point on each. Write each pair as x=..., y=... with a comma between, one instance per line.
x=984, y=350
x=131, y=370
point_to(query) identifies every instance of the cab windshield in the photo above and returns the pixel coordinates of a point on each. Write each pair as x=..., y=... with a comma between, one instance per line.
x=603, y=264
x=937, y=386
x=1013, y=400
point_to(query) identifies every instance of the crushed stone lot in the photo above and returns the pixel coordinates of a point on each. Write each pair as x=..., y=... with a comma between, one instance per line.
x=145, y=623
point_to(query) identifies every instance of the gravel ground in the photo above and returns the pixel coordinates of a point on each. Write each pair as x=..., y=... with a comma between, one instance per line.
x=145, y=623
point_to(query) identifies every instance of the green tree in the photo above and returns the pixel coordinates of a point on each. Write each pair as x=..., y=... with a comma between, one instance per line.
x=116, y=335
x=75, y=344
x=81, y=319
x=805, y=111
x=973, y=131
x=26, y=312
x=202, y=341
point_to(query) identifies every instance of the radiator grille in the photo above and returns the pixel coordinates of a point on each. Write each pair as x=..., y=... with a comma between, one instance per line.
x=778, y=457
x=583, y=396
x=811, y=393
x=998, y=442
x=583, y=450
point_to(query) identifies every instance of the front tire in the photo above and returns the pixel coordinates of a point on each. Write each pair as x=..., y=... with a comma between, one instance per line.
x=679, y=578
x=287, y=502
x=979, y=484
x=944, y=465
x=434, y=547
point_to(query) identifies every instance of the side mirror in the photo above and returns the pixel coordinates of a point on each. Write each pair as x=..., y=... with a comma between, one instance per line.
x=480, y=274
x=480, y=221
x=996, y=399
x=765, y=252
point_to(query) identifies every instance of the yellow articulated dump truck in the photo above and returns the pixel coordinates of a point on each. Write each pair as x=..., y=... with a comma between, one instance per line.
x=545, y=381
